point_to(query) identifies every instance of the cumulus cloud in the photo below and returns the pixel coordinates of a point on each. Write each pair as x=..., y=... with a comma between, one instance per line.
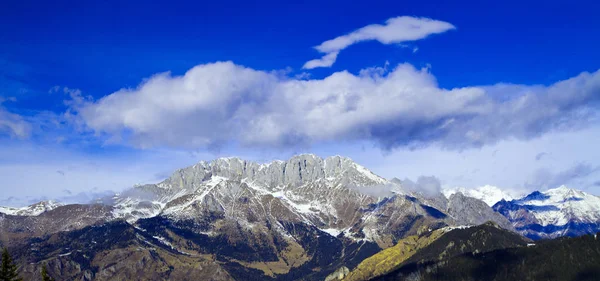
x=13, y=124
x=394, y=31
x=223, y=102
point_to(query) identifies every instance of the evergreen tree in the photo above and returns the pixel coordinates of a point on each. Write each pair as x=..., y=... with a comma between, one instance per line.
x=8, y=270
x=45, y=276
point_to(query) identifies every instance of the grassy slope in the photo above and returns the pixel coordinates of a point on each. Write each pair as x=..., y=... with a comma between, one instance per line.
x=390, y=258
x=561, y=259
x=436, y=245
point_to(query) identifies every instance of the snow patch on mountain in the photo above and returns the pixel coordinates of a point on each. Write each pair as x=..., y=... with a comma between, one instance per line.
x=369, y=175
x=332, y=231
x=562, y=205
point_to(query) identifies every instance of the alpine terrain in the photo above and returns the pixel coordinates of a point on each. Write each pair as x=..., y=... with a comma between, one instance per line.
x=553, y=213
x=232, y=219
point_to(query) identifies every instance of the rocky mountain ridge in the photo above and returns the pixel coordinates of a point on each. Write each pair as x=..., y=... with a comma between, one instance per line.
x=306, y=216
x=301, y=218
x=553, y=213
x=318, y=192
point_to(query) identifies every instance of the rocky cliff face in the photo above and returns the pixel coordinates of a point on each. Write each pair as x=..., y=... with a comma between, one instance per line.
x=471, y=211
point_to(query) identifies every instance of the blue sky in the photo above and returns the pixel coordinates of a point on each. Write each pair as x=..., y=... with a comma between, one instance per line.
x=462, y=90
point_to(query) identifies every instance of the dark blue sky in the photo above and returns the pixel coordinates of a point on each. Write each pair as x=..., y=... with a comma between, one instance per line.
x=102, y=46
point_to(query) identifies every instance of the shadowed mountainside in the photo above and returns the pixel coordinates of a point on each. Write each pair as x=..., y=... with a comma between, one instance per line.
x=567, y=259
x=434, y=245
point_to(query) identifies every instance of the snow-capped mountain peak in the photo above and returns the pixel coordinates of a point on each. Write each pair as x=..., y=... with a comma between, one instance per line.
x=198, y=183
x=565, y=193
x=554, y=212
x=334, y=194
x=487, y=193
x=295, y=171
x=560, y=205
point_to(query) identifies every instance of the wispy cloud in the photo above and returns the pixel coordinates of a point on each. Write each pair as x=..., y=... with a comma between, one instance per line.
x=76, y=175
x=326, y=61
x=386, y=190
x=12, y=124
x=426, y=185
x=545, y=178
x=540, y=155
x=395, y=30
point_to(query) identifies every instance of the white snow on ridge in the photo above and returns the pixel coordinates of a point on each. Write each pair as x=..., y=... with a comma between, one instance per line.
x=31, y=210
x=332, y=231
x=207, y=187
x=9, y=210
x=450, y=228
x=302, y=208
x=370, y=175
x=561, y=205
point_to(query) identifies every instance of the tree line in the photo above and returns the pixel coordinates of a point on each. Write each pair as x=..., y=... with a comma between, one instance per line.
x=8, y=269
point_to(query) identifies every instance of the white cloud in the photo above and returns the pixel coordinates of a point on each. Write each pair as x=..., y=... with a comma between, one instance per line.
x=577, y=175
x=395, y=30
x=509, y=164
x=13, y=124
x=386, y=190
x=326, y=61
x=219, y=103
x=426, y=185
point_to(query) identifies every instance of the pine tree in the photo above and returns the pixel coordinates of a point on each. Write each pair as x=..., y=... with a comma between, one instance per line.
x=8, y=270
x=45, y=276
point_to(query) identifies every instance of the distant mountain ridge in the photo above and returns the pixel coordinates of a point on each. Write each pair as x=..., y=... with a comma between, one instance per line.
x=553, y=213
x=33, y=209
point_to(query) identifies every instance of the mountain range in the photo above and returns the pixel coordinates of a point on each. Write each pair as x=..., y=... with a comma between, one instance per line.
x=232, y=219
